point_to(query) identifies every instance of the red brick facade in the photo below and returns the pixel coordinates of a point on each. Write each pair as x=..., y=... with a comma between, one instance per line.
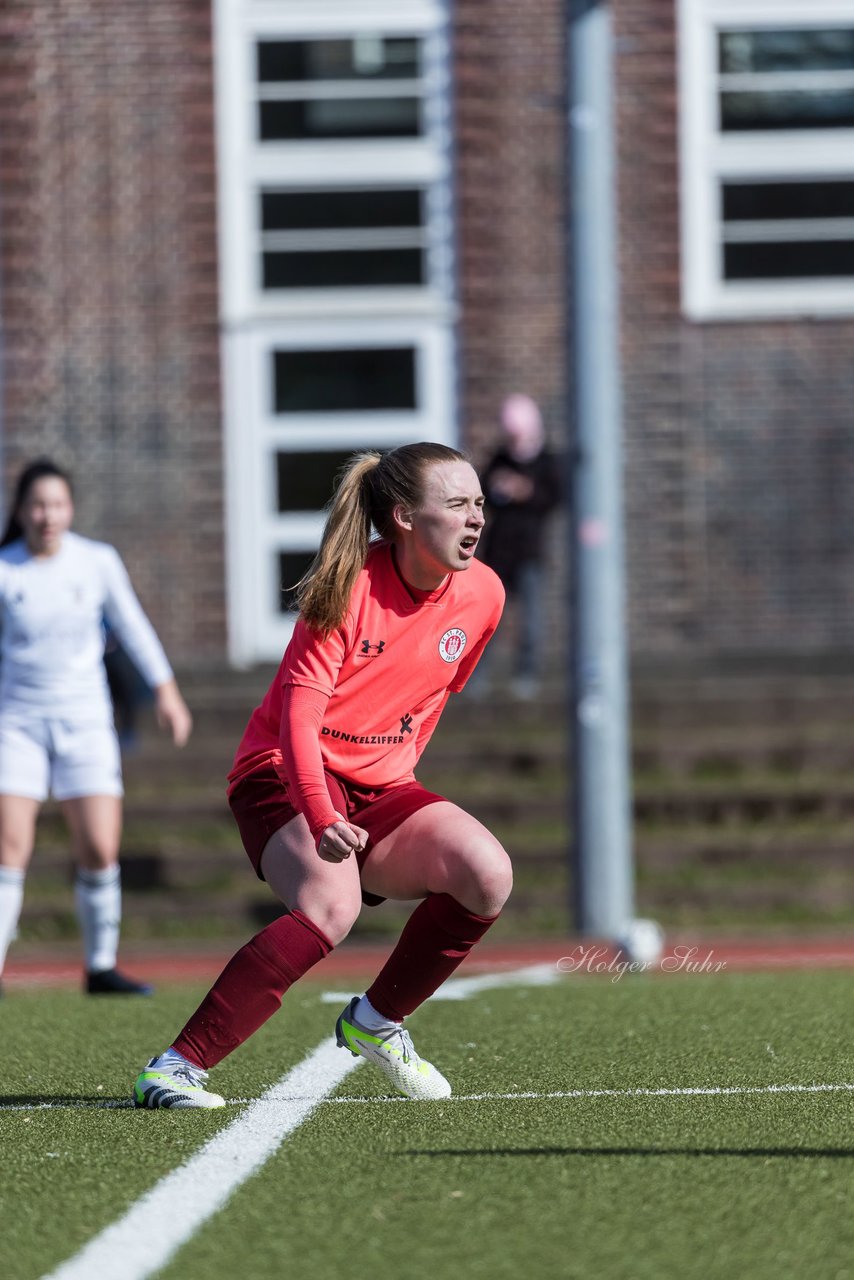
x=510, y=117
x=510, y=184
x=109, y=286
x=739, y=436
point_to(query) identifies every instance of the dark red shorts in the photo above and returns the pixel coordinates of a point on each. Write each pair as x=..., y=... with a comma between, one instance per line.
x=261, y=807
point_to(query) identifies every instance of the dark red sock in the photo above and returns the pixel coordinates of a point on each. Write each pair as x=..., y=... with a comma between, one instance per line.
x=436, y=939
x=250, y=988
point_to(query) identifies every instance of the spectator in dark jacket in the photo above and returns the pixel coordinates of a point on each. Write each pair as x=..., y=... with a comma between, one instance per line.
x=522, y=487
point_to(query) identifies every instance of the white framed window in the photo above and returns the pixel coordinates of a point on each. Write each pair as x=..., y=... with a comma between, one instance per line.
x=767, y=157
x=336, y=269
x=334, y=147
x=308, y=395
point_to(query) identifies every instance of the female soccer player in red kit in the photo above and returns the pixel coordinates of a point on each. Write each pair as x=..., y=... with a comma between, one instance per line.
x=323, y=787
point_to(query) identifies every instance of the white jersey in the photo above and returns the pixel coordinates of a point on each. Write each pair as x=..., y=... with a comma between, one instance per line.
x=52, y=612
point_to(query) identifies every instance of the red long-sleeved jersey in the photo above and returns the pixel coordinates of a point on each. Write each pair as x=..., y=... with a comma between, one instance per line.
x=385, y=673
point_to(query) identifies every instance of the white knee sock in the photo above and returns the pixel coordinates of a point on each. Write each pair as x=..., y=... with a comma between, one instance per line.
x=367, y=1017
x=98, y=895
x=172, y=1058
x=11, y=897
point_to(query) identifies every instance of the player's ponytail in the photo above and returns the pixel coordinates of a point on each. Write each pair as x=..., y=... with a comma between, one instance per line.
x=33, y=471
x=324, y=593
x=370, y=488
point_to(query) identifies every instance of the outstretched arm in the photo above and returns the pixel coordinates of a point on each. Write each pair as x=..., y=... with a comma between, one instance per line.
x=129, y=621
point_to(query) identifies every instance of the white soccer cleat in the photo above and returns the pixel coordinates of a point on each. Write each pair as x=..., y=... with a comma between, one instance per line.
x=173, y=1084
x=394, y=1053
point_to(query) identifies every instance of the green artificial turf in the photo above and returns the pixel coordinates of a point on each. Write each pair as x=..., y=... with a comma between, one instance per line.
x=617, y=1187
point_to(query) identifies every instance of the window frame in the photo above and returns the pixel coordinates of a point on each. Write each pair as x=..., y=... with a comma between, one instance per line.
x=258, y=530
x=709, y=156
x=307, y=163
x=255, y=322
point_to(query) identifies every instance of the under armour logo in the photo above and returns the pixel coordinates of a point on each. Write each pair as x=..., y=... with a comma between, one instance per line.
x=367, y=647
x=406, y=724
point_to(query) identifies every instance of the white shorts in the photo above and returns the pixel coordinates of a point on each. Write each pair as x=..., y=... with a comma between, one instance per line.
x=64, y=758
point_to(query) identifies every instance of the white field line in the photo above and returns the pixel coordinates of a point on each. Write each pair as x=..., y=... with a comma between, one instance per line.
x=155, y=1227
x=713, y=1091
x=534, y=975
x=688, y=1091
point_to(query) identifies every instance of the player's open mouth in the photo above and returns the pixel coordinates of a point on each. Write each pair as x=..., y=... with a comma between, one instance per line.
x=467, y=546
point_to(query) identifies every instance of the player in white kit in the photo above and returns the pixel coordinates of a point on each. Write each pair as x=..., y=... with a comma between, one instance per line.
x=56, y=721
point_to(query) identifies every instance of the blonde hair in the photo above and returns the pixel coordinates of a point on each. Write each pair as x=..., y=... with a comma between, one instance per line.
x=366, y=494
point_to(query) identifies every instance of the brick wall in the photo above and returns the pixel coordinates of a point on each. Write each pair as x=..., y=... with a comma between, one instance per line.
x=109, y=286
x=510, y=135
x=509, y=61
x=739, y=440
x=739, y=437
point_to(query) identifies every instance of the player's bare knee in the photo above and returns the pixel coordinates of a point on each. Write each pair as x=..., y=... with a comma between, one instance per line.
x=15, y=854
x=336, y=919
x=496, y=886
x=16, y=846
x=94, y=856
x=487, y=881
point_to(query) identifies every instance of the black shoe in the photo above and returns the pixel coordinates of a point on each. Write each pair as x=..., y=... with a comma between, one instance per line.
x=109, y=982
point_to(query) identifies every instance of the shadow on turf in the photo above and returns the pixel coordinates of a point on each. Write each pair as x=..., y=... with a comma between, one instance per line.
x=750, y=1152
x=61, y=1100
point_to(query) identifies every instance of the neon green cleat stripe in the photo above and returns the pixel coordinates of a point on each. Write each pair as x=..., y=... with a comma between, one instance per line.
x=351, y=1034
